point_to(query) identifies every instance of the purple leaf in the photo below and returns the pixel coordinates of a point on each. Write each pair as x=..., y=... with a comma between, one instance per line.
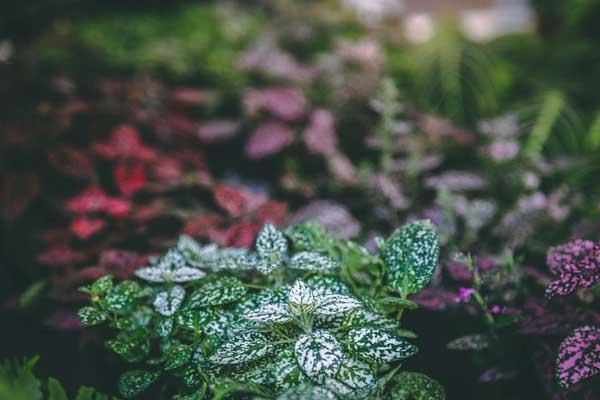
x=333, y=216
x=268, y=139
x=578, y=356
x=319, y=136
x=217, y=130
x=576, y=263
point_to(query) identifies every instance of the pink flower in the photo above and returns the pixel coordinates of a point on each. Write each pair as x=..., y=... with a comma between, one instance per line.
x=464, y=294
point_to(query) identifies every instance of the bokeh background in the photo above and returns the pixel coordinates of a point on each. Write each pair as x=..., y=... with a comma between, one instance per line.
x=125, y=123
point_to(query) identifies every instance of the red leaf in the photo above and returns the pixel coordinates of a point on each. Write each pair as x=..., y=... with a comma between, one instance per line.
x=60, y=255
x=200, y=225
x=117, y=207
x=130, y=177
x=125, y=142
x=239, y=235
x=92, y=199
x=85, y=227
x=231, y=200
x=274, y=212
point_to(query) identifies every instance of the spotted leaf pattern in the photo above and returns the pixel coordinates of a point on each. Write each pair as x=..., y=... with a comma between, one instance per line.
x=242, y=348
x=416, y=386
x=577, y=264
x=223, y=291
x=578, y=356
x=272, y=248
x=271, y=313
x=319, y=355
x=306, y=391
x=301, y=299
x=356, y=373
x=133, y=383
x=286, y=371
x=378, y=346
x=167, y=303
x=336, y=304
x=310, y=261
x=410, y=256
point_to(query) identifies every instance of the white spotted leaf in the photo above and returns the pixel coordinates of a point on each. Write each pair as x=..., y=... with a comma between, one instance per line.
x=167, y=303
x=286, y=371
x=306, y=391
x=375, y=345
x=319, y=355
x=301, y=299
x=336, y=304
x=270, y=313
x=416, y=386
x=311, y=261
x=272, y=248
x=356, y=373
x=242, y=348
x=410, y=256
x=223, y=291
x=133, y=383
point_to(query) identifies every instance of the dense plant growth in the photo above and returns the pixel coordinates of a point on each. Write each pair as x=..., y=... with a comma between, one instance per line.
x=289, y=319
x=126, y=128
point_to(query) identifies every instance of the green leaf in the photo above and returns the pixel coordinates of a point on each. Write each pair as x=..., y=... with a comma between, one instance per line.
x=334, y=304
x=410, y=256
x=416, y=386
x=469, y=342
x=311, y=261
x=286, y=371
x=177, y=356
x=399, y=303
x=223, y=291
x=272, y=248
x=361, y=317
x=165, y=327
x=242, y=348
x=102, y=285
x=86, y=393
x=378, y=346
x=356, y=373
x=260, y=373
x=17, y=380
x=301, y=300
x=319, y=354
x=309, y=236
x=191, y=376
x=323, y=286
x=167, y=303
x=271, y=313
x=135, y=382
x=32, y=293
x=131, y=347
x=122, y=297
x=194, y=319
x=307, y=391
x=90, y=316
x=55, y=390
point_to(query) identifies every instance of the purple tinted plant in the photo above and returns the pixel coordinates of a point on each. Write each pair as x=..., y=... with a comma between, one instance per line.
x=578, y=356
x=576, y=264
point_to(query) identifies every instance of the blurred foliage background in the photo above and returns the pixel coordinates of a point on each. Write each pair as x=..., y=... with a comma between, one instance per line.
x=465, y=61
